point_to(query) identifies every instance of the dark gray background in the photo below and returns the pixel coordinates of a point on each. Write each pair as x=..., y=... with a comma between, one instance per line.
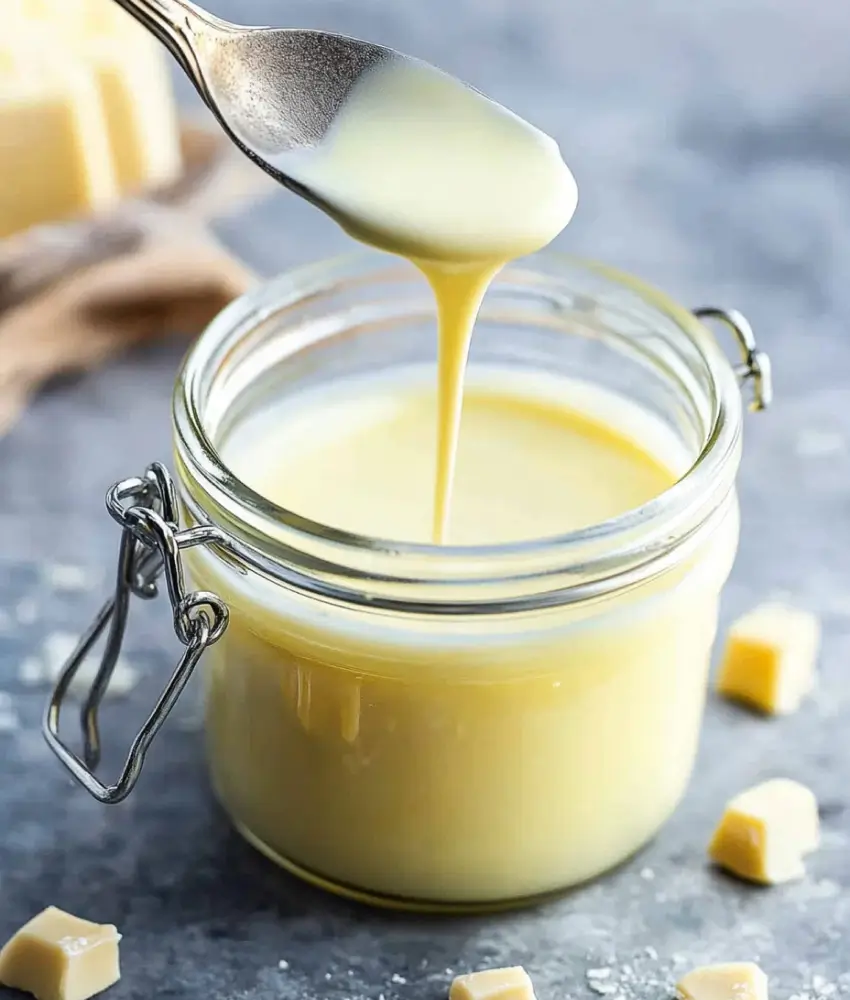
x=711, y=142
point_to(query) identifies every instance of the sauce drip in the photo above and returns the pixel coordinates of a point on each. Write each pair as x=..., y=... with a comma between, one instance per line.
x=422, y=166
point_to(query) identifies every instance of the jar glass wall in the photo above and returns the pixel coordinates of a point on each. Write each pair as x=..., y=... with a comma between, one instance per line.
x=460, y=726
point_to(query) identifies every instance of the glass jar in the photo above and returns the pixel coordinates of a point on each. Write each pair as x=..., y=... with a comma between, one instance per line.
x=432, y=726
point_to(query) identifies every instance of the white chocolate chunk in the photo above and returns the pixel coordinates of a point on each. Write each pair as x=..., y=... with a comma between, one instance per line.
x=57, y=956
x=770, y=657
x=54, y=150
x=730, y=981
x=86, y=111
x=766, y=831
x=493, y=984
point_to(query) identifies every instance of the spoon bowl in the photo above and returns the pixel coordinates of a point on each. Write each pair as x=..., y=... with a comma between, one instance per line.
x=399, y=153
x=275, y=91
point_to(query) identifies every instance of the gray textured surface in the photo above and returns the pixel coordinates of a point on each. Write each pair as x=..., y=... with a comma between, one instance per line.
x=712, y=146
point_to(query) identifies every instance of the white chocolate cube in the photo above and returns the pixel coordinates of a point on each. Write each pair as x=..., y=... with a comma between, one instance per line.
x=512, y=983
x=57, y=956
x=769, y=659
x=730, y=981
x=766, y=831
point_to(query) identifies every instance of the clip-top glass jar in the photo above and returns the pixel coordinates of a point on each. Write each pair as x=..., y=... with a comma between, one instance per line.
x=439, y=726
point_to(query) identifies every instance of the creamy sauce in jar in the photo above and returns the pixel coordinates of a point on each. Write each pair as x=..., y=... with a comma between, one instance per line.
x=429, y=758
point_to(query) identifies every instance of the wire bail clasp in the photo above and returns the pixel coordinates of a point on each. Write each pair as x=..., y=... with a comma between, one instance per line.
x=151, y=541
x=755, y=365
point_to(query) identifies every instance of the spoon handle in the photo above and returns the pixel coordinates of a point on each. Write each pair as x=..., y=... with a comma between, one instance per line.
x=177, y=24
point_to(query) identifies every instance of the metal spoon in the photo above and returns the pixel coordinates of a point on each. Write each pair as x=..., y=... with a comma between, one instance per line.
x=274, y=90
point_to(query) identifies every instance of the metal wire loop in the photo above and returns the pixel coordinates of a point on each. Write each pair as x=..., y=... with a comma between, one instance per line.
x=151, y=542
x=198, y=607
x=755, y=364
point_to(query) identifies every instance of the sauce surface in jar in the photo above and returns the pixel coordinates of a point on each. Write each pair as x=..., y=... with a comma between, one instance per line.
x=528, y=464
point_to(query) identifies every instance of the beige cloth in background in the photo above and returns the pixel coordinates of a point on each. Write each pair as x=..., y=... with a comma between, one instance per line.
x=74, y=294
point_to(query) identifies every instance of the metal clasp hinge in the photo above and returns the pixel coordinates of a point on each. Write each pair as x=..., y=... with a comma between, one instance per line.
x=755, y=365
x=151, y=542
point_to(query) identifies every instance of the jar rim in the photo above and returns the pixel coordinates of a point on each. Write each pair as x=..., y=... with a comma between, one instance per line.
x=250, y=538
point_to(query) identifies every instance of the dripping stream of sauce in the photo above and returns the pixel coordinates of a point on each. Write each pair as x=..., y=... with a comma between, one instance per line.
x=418, y=164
